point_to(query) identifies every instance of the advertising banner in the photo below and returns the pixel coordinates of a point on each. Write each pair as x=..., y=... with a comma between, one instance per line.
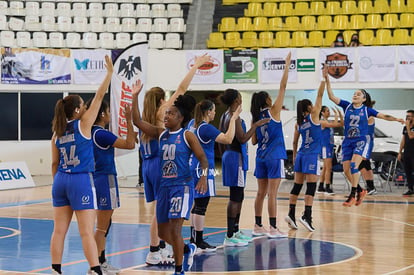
x=15, y=175
x=89, y=66
x=209, y=73
x=406, y=63
x=340, y=62
x=272, y=65
x=376, y=64
x=240, y=66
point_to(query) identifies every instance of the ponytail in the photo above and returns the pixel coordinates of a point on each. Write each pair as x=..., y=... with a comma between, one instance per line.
x=200, y=110
x=257, y=104
x=322, y=110
x=64, y=109
x=301, y=108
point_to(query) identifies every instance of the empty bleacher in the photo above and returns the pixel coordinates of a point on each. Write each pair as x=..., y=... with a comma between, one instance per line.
x=93, y=23
x=311, y=23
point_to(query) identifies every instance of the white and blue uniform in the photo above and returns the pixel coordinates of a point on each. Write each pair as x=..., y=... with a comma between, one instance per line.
x=307, y=158
x=271, y=151
x=106, y=183
x=73, y=183
x=328, y=143
x=176, y=193
x=149, y=151
x=206, y=134
x=371, y=135
x=357, y=140
x=235, y=162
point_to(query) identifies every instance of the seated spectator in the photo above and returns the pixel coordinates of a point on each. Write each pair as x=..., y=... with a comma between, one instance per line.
x=339, y=41
x=355, y=41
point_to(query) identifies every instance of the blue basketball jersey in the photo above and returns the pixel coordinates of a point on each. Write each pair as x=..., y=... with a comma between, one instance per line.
x=271, y=142
x=311, y=134
x=206, y=135
x=76, y=151
x=356, y=119
x=174, y=154
x=328, y=137
x=149, y=149
x=103, y=150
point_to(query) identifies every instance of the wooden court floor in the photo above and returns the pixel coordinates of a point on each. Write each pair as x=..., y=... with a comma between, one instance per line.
x=376, y=237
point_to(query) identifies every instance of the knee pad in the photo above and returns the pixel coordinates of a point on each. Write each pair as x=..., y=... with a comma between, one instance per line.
x=296, y=189
x=366, y=164
x=310, y=188
x=354, y=169
x=236, y=194
x=200, y=206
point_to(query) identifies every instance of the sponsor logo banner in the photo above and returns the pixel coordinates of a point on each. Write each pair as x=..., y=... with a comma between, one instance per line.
x=129, y=66
x=340, y=62
x=89, y=66
x=376, y=64
x=15, y=175
x=35, y=66
x=240, y=66
x=272, y=65
x=209, y=73
x=406, y=63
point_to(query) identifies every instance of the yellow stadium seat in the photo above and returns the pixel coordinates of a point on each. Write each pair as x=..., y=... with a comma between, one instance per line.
x=232, y=40
x=282, y=40
x=412, y=36
x=349, y=7
x=253, y=9
x=330, y=37
x=401, y=37
x=381, y=6
x=301, y=8
x=366, y=37
x=324, y=22
x=407, y=20
x=365, y=7
x=373, y=21
x=292, y=23
x=265, y=40
x=229, y=2
x=357, y=22
x=340, y=22
x=260, y=23
x=299, y=39
x=315, y=39
x=285, y=9
x=333, y=7
x=317, y=8
x=383, y=37
x=347, y=36
x=308, y=23
x=410, y=6
x=249, y=40
x=390, y=21
x=275, y=24
x=397, y=6
x=270, y=9
x=228, y=24
x=244, y=24
x=215, y=40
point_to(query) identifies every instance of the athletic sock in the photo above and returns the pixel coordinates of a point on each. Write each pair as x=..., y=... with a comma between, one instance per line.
x=292, y=210
x=272, y=222
x=57, y=268
x=258, y=220
x=102, y=257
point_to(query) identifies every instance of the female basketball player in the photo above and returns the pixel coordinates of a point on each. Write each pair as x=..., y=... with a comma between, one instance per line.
x=235, y=165
x=106, y=183
x=306, y=160
x=356, y=142
x=153, y=112
x=72, y=166
x=176, y=192
x=270, y=155
x=207, y=135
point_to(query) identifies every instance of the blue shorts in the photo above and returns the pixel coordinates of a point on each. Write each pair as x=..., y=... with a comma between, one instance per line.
x=357, y=146
x=274, y=169
x=107, y=192
x=211, y=183
x=76, y=190
x=307, y=164
x=174, y=202
x=327, y=152
x=151, y=175
x=233, y=173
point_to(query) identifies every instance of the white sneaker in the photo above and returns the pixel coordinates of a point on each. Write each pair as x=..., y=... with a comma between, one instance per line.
x=276, y=233
x=54, y=272
x=110, y=269
x=240, y=235
x=292, y=224
x=233, y=241
x=259, y=230
x=167, y=256
x=154, y=258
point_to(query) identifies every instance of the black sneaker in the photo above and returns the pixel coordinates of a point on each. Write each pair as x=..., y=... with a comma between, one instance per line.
x=408, y=193
x=321, y=189
x=307, y=222
x=329, y=191
x=204, y=246
x=372, y=191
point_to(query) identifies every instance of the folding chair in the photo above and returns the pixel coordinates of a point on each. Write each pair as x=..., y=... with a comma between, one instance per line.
x=385, y=165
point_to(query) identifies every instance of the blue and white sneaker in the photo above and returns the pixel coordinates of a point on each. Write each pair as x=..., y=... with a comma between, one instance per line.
x=179, y=273
x=189, y=257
